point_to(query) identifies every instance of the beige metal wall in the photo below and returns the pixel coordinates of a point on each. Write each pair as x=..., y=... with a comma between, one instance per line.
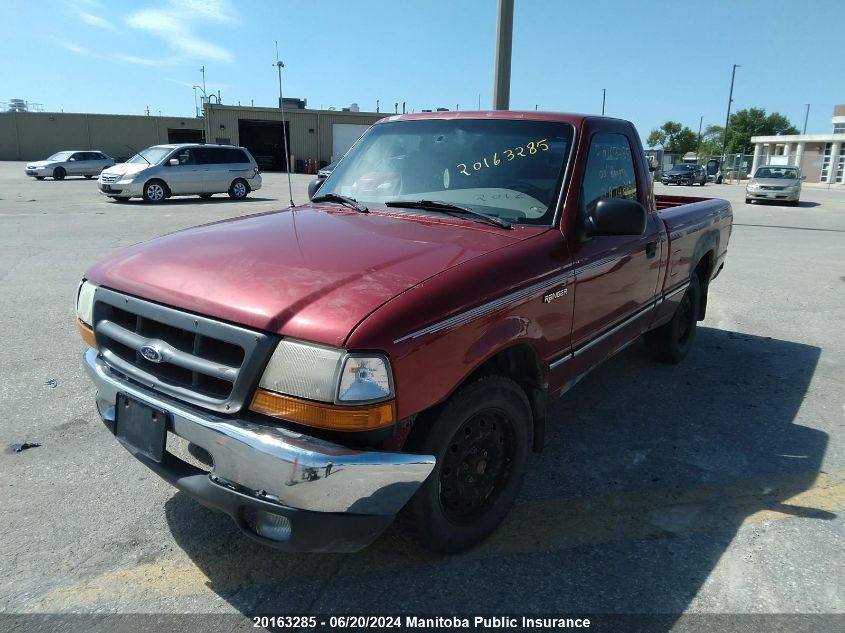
x=310, y=130
x=36, y=135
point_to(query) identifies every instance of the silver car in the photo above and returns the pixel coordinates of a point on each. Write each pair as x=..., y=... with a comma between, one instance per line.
x=87, y=163
x=161, y=171
x=775, y=182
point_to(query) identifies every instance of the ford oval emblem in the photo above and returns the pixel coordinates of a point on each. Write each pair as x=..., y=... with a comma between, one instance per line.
x=151, y=354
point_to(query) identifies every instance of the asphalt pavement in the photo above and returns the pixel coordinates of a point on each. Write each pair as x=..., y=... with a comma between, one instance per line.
x=714, y=486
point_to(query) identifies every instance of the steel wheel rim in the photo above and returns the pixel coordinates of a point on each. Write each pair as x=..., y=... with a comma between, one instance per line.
x=477, y=465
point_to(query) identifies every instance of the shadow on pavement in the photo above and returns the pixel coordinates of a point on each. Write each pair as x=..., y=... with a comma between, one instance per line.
x=648, y=473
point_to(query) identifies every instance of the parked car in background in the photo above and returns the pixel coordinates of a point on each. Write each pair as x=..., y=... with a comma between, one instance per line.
x=161, y=171
x=684, y=174
x=70, y=163
x=774, y=182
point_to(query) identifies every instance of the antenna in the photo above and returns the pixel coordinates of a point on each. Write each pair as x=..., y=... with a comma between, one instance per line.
x=279, y=65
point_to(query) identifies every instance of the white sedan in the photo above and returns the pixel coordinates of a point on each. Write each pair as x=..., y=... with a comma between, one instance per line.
x=71, y=163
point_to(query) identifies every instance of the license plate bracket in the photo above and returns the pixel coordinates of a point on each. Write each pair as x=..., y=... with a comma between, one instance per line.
x=142, y=427
x=105, y=187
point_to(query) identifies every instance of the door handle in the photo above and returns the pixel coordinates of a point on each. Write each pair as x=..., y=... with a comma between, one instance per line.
x=651, y=249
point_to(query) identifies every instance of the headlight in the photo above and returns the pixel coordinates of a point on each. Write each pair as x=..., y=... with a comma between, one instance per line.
x=753, y=185
x=327, y=388
x=127, y=177
x=85, y=303
x=85, y=312
x=364, y=379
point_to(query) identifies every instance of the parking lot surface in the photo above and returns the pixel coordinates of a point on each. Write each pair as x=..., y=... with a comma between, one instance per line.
x=717, y=485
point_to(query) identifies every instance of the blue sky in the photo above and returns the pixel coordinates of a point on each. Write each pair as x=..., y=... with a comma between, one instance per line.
x=657, y=60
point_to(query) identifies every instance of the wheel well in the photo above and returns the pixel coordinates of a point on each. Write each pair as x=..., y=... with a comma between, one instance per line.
x=703, y=270
x=248, y=188
x=521, y=364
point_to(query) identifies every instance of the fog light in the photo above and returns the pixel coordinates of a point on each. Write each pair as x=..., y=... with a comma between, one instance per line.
x=271, y=526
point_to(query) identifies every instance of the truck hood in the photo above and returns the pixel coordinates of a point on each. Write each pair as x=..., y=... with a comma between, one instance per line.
x=308, y=273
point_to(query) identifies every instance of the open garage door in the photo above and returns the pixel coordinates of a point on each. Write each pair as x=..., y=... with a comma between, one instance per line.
x=343, y=137
x=183, y=135
x=264, y=141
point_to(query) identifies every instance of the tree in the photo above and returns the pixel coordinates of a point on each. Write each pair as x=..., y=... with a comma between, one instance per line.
x=754, y=122
x=673, y=138
x=711, y=141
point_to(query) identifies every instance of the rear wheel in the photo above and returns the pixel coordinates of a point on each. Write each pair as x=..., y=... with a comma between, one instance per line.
x=480, y=439
x=59, y=173
x=154, y=191
x=239, y=189
x=89, y=176
x=40, y=177
x=671, y=342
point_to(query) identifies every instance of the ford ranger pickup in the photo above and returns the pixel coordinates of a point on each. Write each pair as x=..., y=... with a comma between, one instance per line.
x=391, y=346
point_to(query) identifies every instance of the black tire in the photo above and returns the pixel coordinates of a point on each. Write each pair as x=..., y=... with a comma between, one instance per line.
x=119, y=199
x=206, y=196
x=239, y=189
x=40, y=177
x=793, y=203
x=89, y=176
x=481, y=438
x=671, y=342
x=155, y=191
x=748, y=201
x=59, y=173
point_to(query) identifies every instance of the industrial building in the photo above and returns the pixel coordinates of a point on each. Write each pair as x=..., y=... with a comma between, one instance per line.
x=313, y=135
x=821, y=157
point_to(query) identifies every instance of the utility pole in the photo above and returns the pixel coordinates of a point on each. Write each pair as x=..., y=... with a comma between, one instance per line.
x=279, y=65
x=377, y=106
x=806, y=116
x=728, y=117
x=204, y=93
x=502, y=70
x=603, y=94
x=698, y=147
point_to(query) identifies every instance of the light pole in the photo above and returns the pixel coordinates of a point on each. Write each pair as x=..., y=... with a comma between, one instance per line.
x=806, y=116
x=502, y=70
x=728, y=118
x=279, y=65
x=698, y=148
x=603, y=94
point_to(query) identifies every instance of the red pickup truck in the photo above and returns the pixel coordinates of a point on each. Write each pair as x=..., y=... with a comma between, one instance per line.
x=392, y=345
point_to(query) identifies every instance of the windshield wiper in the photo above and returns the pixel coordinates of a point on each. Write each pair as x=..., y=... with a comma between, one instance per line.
x=436, y=205
x=137, y=153
x=345, y=200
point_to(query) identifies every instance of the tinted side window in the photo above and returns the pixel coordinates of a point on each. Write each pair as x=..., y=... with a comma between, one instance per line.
x=237, y=156
x=78, y=156
x=610, y=170
x=187, y=156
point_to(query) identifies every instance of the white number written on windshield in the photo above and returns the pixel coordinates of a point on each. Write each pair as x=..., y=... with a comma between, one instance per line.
x=521, y=151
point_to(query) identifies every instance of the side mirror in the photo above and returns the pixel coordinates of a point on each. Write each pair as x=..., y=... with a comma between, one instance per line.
x=173, y=162
x=803, y=178
x=314, y=186
x=616, y=216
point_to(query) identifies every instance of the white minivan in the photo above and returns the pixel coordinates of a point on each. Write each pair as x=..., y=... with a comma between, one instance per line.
x=161, y=171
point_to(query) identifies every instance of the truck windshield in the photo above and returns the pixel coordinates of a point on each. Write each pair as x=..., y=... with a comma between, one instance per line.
x=508, y=168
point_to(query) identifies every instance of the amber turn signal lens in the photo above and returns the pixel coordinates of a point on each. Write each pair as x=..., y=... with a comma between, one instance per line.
x=86, y=333
x=323, y=415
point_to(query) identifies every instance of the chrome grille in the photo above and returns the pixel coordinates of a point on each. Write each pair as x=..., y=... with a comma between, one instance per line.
x=194, y=358
x=107, y=179
x=771, y=188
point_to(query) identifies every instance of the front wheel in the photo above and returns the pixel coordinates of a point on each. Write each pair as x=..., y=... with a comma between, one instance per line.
x=671, y=342
x=89, y=176
x=238, y=189
x=480, y=439
x=59, y=173
x=154, y=191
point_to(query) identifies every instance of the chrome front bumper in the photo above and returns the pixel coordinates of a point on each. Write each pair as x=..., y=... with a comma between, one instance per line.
x=267, y=467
